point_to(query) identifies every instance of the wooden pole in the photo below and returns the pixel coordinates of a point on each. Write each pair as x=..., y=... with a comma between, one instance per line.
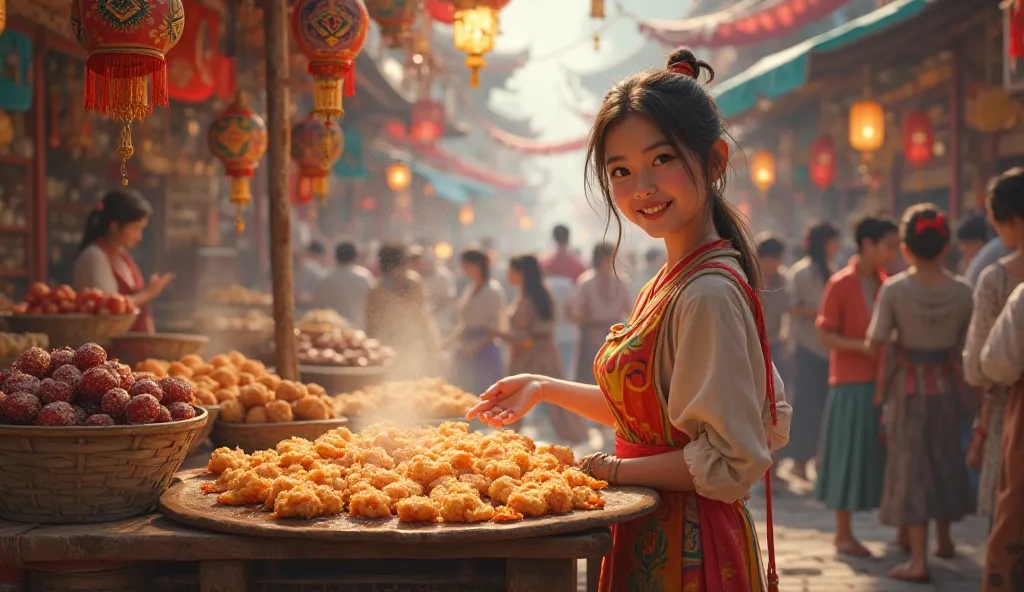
x=275, y=19
x=956, y=101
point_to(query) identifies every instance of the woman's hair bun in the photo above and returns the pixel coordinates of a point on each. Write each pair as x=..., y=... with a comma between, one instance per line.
x=682, y=56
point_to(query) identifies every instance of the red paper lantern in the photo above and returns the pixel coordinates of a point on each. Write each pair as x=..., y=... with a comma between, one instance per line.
x=918, y=137
x=427, y=121
x=823, y=162
x=394, y=17
x=127, y=43
x=310, y=137
x=238, y=137
x=331, y=33
x=441, y=11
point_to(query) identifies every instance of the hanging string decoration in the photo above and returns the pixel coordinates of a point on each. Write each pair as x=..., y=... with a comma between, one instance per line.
x=395, y=18
x=310, y=137
x=126, y=74
x=238, y=137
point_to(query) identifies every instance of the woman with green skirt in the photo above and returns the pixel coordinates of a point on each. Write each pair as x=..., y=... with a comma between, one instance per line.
x=851, y=462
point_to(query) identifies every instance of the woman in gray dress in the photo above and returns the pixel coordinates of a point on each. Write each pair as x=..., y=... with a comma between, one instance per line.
x=928, y=309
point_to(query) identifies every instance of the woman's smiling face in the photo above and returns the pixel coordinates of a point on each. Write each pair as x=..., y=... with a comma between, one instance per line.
x=651, y=185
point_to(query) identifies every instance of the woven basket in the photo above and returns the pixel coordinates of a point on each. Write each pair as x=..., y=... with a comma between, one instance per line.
x=72, y=330
x=212, y=411
x=261, y=436
x=89, y=474
x=131, y=348
x=341, y=379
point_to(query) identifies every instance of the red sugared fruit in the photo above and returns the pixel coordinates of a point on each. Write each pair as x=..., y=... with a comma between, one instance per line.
x=61, y=357
x=80, y=415
x=115, y=403
x=56, y=414
x=115, y=304
x=175, y=390
x=163, y=416
x=37, y=293
x=181, y=411
x=91, y=407
x=52, y=391
x=19, y=381
x=20, y=407
x=34, y=361
x=143, y=409
x=69, y=374
x=90, y=355
x=96, y=382
x=147, y=387
x=100, y=420
x=123, y=371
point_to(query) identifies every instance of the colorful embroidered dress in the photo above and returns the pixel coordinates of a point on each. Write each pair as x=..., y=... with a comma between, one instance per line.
x=692, y=543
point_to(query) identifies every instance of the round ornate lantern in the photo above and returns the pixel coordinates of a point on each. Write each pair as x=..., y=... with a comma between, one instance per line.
x=466, y=215
x=316, y=145
x=441, y=11
x=238, y=137
x=394, y=17
x=762, y=171
x=918, y=137
x=331, y=33
x=427, y=121
x=475, y=27
x=399, y=176
x=867, y=126
x=823, y=162
x=126, y=71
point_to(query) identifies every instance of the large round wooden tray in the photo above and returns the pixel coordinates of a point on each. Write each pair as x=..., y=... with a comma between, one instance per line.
x=343, y=379
x=185, y=502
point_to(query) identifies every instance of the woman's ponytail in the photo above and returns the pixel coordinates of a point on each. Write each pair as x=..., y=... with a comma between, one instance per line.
x=122, y=206
x=95, y=229
x=730, y=225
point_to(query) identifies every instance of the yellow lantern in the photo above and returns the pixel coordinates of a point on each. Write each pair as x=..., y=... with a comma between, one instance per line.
x=597, y=12
x=466, y=215
x=525, y=223
x=399, y=176
x=867, y=126
x=762, y=171
x=443, y=251
x=474, y=30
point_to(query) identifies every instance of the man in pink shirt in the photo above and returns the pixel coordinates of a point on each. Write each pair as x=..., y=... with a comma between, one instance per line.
x=563, y=263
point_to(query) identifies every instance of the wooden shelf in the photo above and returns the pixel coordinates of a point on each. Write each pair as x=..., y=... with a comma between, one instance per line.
x=15, y=159
x=13, y=273
x=64, y=206
x=13, y=229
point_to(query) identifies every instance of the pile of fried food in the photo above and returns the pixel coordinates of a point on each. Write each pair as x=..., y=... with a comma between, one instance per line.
x=238, y=295
x=321, y=320
x=427, y=397
x=244, y=389
x=438, y=475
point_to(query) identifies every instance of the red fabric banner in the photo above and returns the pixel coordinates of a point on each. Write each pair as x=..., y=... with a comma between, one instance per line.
x=194, y=64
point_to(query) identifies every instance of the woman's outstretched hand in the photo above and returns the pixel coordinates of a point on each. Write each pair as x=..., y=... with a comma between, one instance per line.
x=157, y=282
x=508, y=400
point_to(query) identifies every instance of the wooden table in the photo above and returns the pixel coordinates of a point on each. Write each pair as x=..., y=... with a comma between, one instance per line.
x=229, y=563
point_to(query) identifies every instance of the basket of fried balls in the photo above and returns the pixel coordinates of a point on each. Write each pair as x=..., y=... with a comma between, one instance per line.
x=85, y=439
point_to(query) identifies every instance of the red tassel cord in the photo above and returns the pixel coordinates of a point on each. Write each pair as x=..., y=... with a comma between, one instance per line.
x=119, y=84
x=350, y=78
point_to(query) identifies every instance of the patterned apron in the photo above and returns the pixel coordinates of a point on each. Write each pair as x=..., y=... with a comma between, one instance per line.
x=129, y=286
x=692, y=543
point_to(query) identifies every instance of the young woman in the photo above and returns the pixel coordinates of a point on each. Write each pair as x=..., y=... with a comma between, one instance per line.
x=104, y=262
x=599, y=300
x=929, y=309
x=687, y=382
x=1002, y=360
x=477, y=360
x=852, y=460
x=531, y=339
x=807, y=280
x=996, y=282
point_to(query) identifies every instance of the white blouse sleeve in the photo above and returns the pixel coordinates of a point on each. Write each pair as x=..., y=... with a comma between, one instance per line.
x=1002, y=358
x=717, y=394
x=92, y=270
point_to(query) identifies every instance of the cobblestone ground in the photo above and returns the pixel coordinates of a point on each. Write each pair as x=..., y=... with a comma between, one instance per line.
x=808, y=563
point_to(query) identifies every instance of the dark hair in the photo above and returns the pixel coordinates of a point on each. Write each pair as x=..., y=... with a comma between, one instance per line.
x=345, y=253
x=925, y=230
x=770, y=244
x=533, y=284
x=815, y=240
x=120, y=206
x=478, y=259
x=973, y=227
x=1006, y=195
x=602, y=252
x=677, y=103
x=561, y=234
x=316, y=248
x=391, y=258
x=873, y=227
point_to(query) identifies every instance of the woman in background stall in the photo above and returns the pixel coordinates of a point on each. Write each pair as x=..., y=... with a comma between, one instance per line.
x=104, y=262
x=476, y=361
x=599, y=300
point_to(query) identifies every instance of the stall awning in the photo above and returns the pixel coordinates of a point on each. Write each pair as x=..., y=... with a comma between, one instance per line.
x=458, y=190
x=781, y=73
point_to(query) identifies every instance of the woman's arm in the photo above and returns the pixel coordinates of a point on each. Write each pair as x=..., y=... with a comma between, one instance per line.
x=1002, y=358
x=987, y=307
x=883, y=321
x=830, y=317
x=667, y=472
x=509, y=399
x=838, y=342
x=586, y=400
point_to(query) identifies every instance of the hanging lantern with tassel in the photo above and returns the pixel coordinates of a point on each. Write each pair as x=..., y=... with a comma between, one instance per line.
x=126, y=68
x=475, y=28
x=918, y=137
x=428, y=121
x=394, y=17
x=762, y=171
x=867, y=127
x=823, y=162
x=309, y=138
x=597, y=12
x=238, y=137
